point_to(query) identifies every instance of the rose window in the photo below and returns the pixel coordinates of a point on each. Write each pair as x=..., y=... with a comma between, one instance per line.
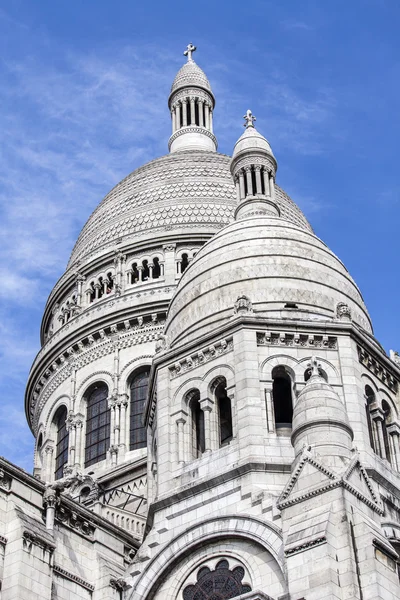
x=220, y=584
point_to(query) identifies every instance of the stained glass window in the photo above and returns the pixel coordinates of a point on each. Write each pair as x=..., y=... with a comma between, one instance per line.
x=97, y=425
x=139, y=385
x=60, y=421
x=220, y=584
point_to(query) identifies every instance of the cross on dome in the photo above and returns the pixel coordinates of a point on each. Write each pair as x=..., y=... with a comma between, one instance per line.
x=189, y=51
x=249, y=118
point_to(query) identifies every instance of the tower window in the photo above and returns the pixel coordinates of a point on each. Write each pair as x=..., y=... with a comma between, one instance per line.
x=146, y=270
x=225, y=413
x=386, y=421
x=370, y=398
x=60, y=421
x=139, y=387
x=156, y=268
x=184, y=262
x=198, y=431
x=135, y=273
x=97, y=424
x=282, y=397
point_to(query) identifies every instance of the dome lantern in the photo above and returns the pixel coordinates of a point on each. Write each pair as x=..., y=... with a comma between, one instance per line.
x=253, y=169
x=191, y=103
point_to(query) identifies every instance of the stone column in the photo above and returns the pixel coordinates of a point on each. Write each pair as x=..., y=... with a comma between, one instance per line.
x=257, y=169
x=111, y=406
x=50, y=501
x=272, y=187
x=79, y=432
x=237, y=185
x=206, y=406
x=178, y=116
x=266, y=182
x=170, y=264
x=207, y=115
x=71, y=426
x=181, y=440
x=79, y=284
x=249, y=180
x=97, y=287
x=201, y=112
x=210, y=118
x=378, y=417
x=241, y=185
x=192, y=112
x=394, y=436
x=184, y=113
x=269, y=407
x=48, y=462
x=123, y=422
x=173, y=120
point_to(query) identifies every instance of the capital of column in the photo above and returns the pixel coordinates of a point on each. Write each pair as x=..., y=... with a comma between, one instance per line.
x=393, y=428
x=377, y=414
x=206, y=404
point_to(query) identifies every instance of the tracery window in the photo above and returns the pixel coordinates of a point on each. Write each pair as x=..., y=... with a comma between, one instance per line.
x=225, y=413
x=60, y=421
x=138, y=387
x=220, y=584
x=282, y=397
x=97, y=424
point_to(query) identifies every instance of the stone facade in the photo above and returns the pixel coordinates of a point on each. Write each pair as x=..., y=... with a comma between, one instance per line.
x=214, y=417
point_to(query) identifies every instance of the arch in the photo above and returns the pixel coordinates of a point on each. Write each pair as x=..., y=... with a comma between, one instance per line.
x=97, y=438
x=223, y=578
x=224, y=407
x=96, y=377
x=138, y=387
x=266, y=535
x=141, y=362
x=62, y=439
x=192, y=400
x=62, y=400
x=282, y=396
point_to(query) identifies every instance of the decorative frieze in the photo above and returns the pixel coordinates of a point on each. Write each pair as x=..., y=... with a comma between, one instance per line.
x=201, y=357
x=75, y=578
x=375, y=367
x=301, y=340
x=72, y=519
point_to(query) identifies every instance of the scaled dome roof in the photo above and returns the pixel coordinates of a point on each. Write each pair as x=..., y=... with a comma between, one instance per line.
x=174, y=192
x=190, y=74
x=272, y=262
x=251, y=139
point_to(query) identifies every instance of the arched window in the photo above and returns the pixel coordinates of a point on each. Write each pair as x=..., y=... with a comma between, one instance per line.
x=97, y=424
x=198, y=431
x=135, y=273
x=220, y=584
x=110, y=283
x=156, y=268
x=370, y=399
x=146, y=270
x=307, y=372
x=386, y=421
x=139, y=386
x=184, y=262
x=60, y=421
x=224, y=412
x=282, y=397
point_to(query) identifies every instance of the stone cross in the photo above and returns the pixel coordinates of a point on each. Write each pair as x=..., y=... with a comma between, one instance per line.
x=314, y=366
x=189, y=51
x=249, y=118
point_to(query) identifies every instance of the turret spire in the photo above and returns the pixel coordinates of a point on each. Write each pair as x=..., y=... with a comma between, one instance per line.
x=249, y=118
x=191, y=104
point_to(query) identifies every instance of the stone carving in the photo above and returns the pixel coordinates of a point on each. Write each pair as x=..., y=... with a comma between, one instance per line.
x=243, y=305
x=119, y=584
x=75, y=578
x=249, y=118
x=373, y=365
x=30, y=539
x=161, y=343
x=303, y=340
x=203, y=356
x=5, y=480
x=395, y=357
x=72, y=519
x=343, y=311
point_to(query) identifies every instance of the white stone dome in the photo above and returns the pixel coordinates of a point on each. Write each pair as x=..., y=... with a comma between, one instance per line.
x=272, y=262
x=190, y=74
x=251, y=140
x=174, y=192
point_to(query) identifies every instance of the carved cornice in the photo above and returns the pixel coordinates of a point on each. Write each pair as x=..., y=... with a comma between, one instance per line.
x=75, y=578
x=30, y=539
x=74, y=520
x=374, y=366
x=201, y=357
x=301, y=340
x=306, y=546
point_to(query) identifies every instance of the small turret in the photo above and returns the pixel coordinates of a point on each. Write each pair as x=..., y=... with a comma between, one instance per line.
x=320, y=420
x=191, y=103
x=253, y=169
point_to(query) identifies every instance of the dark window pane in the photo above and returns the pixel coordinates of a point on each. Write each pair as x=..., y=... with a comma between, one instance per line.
x=97, y=425
x=60, y=421
x=139, y=386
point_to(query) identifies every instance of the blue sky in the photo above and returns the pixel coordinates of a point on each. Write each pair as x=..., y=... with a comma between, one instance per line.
x=83, y=97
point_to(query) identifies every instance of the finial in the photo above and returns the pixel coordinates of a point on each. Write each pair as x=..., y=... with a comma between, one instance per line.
x=249, y=118
x=189, y=51
x=314, y=366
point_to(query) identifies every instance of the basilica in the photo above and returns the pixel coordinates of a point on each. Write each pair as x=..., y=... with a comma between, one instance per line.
x=213, y=415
